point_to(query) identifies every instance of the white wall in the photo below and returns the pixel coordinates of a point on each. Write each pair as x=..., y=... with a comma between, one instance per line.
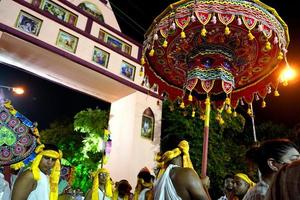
x=130, y=151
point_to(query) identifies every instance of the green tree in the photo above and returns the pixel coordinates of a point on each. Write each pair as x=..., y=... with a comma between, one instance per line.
x=77, y=140
x=224, y=153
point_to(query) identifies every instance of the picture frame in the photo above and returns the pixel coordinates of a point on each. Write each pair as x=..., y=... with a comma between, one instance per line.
x=28, y=23
x=112, y=41
x=92, y=10
x=58, y=11
x=100, y=57
x=147, y=128
x=128, y=70
x=67, y=41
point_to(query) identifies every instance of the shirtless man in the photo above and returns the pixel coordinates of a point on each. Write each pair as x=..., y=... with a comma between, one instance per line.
x=177, y=180
x=34, y=183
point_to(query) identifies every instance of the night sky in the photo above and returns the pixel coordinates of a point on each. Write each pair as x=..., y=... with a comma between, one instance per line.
x=45, y=101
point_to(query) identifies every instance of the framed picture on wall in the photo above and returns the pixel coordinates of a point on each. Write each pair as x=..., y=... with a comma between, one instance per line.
x=100, y=56
x=59, y=12
x=114, y=42
x=147, y=128
x=67, y=41
x=28, y=23
x=128, y=70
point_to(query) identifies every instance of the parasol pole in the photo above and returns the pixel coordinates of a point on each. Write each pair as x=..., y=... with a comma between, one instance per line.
x=205, y=137
x=253, y=123
x=254, y=134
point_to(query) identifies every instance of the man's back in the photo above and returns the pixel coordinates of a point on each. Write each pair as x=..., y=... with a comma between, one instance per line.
x=187, y=184
x=179, y=184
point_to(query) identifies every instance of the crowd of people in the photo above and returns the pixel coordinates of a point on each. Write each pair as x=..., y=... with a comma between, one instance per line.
x=175, y=179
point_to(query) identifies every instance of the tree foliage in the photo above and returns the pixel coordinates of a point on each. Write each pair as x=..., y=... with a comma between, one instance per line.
x=224, y=154
x=72, y=137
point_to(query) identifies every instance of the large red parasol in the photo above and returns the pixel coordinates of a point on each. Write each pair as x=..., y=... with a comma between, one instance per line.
x=228, y=50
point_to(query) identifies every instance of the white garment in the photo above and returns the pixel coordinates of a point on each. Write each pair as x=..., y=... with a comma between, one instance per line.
x=164, y=188
x=4, y=188
x=100, y=195
x=42, y=190
x=142, y=195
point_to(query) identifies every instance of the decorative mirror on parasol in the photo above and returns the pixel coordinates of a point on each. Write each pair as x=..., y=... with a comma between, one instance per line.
x=18, y=136
x=229, y=51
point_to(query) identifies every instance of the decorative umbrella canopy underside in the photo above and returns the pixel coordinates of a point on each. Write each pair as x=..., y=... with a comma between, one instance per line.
x=216, y=47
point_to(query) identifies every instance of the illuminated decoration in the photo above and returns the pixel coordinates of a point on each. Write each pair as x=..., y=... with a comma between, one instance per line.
x=18, y=136
x=221, y=52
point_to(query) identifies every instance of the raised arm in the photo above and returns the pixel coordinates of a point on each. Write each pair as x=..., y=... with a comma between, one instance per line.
x=23, y=186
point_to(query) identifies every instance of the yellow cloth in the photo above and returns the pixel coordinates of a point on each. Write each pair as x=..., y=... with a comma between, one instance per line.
x=183, y=148
x=246, y=178
x=55, y=171
x=138, y=188
x=108, y=185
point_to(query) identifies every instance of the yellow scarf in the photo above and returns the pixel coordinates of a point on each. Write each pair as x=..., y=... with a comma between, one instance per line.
x=183, y=147
x=55, y=171
x=246, y=178
x=108, y=185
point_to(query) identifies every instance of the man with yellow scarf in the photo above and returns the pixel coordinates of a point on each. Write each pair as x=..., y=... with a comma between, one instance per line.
x=40, y=182
x=144, y=185
x=102, y=186
x=177, y=180
x=242, y=183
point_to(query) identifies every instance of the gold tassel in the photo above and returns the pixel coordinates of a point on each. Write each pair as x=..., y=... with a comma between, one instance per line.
x=263, y=104
x=190, y=97
x=285, y=83
x=276, y=93
x=221, y=121
x=182, y=105
x=151, y=53
x=227, y=30
x=203, y=32
x=249, y=111
x=280, y=56
x=182, y=34
x=229, y=111
x=250, y=36
x=268, y=46
x=227, y=101
x=193, y=113
x=143, y=61
x=234, y=114
x=165, y=44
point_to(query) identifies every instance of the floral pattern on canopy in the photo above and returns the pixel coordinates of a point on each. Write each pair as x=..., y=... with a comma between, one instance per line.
x=18, y=136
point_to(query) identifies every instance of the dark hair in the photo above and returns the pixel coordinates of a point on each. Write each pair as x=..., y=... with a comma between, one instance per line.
x=170, y=142
x=275, y=149
x=230, y=175
x=146, y=176
x=51, y=147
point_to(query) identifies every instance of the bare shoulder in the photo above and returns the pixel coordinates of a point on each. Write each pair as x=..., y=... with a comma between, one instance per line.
x=26, y=176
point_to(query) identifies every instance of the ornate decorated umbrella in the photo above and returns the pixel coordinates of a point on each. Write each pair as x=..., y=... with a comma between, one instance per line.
x=18, y=137
x=225, y=50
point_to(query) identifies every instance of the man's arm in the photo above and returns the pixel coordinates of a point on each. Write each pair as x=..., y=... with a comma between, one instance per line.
x=23, y=186
x=194, y=186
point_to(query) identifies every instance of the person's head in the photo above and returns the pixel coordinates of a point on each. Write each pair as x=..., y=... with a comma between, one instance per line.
x=242, y=183
x=124, y=188
x=102, y=181
x=49, y=157
x=272, y=154
x=228, y=182
x=170, y=143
